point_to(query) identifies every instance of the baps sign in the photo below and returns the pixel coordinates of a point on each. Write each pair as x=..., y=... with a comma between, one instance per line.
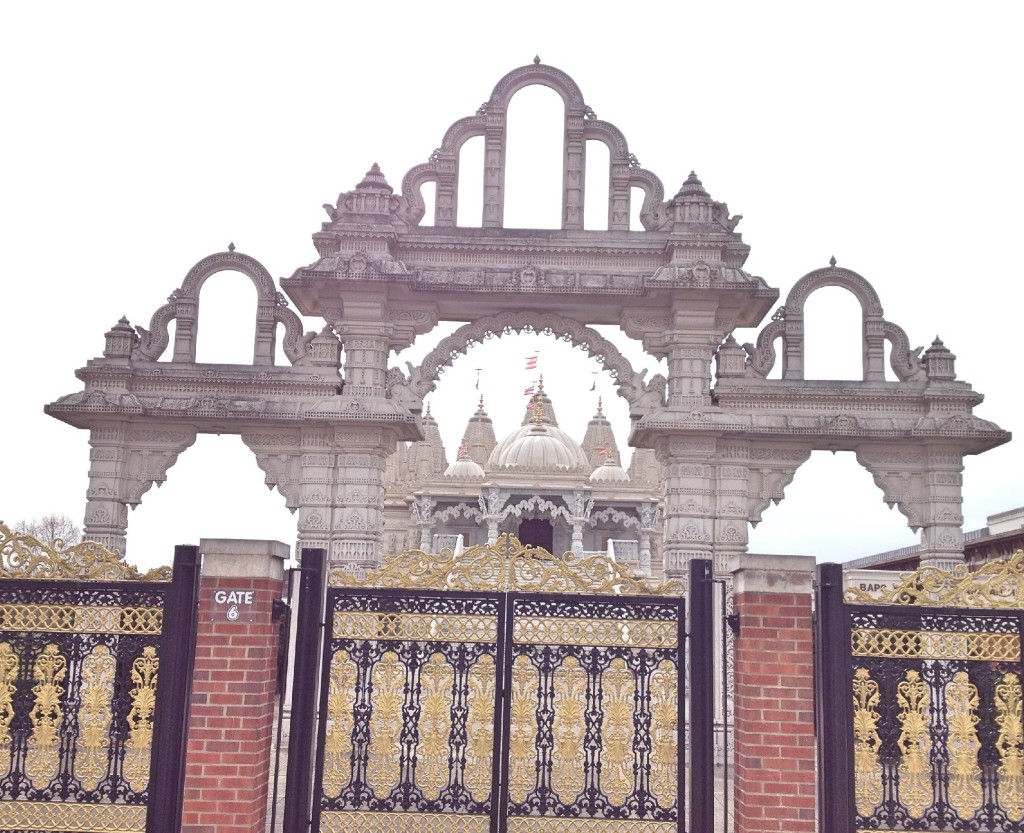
x=233, y=605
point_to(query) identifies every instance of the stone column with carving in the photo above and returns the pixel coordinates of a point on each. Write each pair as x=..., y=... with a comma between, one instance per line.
x=732, y=527
x=423, y=516
x=687, y=466
x=580, y=508
x=942, y=538
x=648, y=514
x=125, y=462
x=492, y=502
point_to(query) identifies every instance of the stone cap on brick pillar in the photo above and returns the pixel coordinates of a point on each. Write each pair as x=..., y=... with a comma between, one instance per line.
x=243, y=558
x=754, y=573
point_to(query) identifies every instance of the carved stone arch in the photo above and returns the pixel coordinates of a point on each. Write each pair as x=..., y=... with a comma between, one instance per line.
x=461, y=132
x=182, y=307
x=641, y=396
x=832, y=276
x=537, y=73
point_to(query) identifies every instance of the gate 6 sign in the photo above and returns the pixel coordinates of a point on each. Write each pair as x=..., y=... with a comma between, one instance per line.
x=233, y=605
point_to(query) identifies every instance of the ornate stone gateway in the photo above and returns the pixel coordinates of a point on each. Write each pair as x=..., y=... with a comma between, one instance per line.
x=920, y=702
x=728, y=438
x=503, y=690
x=88, y=739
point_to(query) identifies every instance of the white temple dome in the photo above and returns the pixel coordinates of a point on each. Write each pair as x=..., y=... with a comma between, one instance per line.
x=465, y=467
x=609, y=472
x=538, y=447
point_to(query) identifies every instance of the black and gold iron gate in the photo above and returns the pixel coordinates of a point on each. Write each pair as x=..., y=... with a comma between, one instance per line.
x=919, y=702
x=499, y=710
x=88, y=739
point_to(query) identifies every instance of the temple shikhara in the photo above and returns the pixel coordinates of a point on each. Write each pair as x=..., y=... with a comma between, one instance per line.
x=346, y=440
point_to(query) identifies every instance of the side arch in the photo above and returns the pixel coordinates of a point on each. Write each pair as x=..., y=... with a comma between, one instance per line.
x=182, y=307
x=642, y=396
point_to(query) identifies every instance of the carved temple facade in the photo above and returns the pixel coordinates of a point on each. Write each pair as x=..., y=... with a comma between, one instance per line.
x=324, y=423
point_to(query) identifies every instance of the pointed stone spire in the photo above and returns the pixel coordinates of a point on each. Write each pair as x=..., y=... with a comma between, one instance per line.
x=427, y=460
x=939, y=362
x=479, y=439
x=692, y=188
x=644, y=469
x=376, y=180
x=599, y=440
x=541, y=399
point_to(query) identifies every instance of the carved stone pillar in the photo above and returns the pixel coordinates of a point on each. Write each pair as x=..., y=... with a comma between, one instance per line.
x=580, y=508
x=942, y=538
x=492, y=501
x=687, y=470
x=366, y=354
x=732, y=528
x=574, y=176
x=648, y=514
x=125, y=461
x=423, y=516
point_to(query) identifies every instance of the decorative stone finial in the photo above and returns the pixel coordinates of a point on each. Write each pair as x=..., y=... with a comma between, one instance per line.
x=375, y=179
x=600, y=405
x=832, y=261
x=231, y=246
x=120, y=340
x=480, y=405
x=463, y=452
x=536, y=59
x=939, y=362
x=693, y=187
x=540, y=385
x=538, y=410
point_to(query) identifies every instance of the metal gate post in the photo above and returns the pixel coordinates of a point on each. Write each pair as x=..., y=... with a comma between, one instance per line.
x=298, y=786
x=702, y=698
x=170, y=718
x=833, y=703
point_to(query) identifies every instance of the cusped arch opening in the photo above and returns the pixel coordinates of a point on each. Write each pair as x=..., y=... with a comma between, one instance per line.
x=471, y=184
x=832, y=510
x=226, y=319
x=833, y=335
x=214, y=490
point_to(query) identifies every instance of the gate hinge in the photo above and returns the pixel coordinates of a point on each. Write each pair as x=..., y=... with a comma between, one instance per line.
x=733, y=621
x=279, y=610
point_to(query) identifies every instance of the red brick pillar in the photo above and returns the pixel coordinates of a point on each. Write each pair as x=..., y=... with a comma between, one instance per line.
x=775, y=752
x=227, y=771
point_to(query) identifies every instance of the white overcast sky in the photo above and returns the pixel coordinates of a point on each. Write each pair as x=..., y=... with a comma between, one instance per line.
x=138, y=138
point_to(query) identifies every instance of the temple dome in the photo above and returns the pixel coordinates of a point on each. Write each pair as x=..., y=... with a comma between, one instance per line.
x=609, y=472
x=539, y=447
x=465, y=467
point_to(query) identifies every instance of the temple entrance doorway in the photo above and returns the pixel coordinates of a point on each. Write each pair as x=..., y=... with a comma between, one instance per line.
x=537, y=532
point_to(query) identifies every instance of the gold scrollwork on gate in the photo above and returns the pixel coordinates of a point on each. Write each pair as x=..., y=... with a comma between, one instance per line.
x=94, y=716
x=963, y=744
x=569, y=728
x=1010, y=745
x=8, y=677
x=866, y=743
x=618, y=688
x=533, y=824
x=910, y=644
x=71, y=817
x=557, y=630
x=25, y=556
x=80, y=619
x=347, y=821
x=506, y=566
x=415, y=627
x=139, y=746
x=997, y=585
x=522, y=754
x=382, y=772
x=338, y=743
x=914, y=744
x=435, y=726
x=480, y=728
x=664, y=687
x=43, y=757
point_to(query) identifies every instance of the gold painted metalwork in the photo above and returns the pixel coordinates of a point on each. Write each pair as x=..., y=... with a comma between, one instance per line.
x=349, y=821
x=556, y=630
x=43, y=757
x=81, y=619
x=568, y=729
x=997, y=584
x=69, y=817
x=8, y=676
x=1010, y=745
x=618, y=688
x=382, y=773
x=867, y=768
x=664, y=688
x=25, y=556
x=94, y=716
x=522, y=754
x=416, y=627
x=435, y=726
x=480, y=728
x=338, y=743
x=963, y=744
x=914, y=744
x=910, y=644
x=139, y=746
x=506, y=566
x=533, y=824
